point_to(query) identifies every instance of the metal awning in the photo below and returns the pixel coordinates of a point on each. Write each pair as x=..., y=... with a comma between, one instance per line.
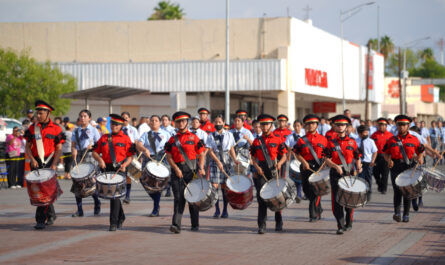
x=104, y=93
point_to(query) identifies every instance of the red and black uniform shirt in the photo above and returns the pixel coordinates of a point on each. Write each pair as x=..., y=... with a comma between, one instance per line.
x=208, y=127
x=318, y=142
x=282, y=133
x=331, y=134
x=380, y=139
x=190, y=143
x=348, y=147
x=275, y=147
x=52, y=135
x=410, y=143
x=123, y=147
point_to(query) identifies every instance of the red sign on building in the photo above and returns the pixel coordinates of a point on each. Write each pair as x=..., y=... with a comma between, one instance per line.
x=324, y=107
x=316, y=78
x=427, y=93
x=370, y=64
x=394, y=89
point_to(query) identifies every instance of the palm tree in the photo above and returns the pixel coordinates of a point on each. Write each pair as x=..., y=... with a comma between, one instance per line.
x=386, y=46
x=426, y=54
x=374, y=43
x=165, y=10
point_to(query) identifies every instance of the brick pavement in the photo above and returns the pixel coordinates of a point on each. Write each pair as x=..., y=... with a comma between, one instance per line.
x=374, y=239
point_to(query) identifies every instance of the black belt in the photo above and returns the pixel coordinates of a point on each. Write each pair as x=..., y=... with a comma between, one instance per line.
x=185, y=163
x=403, y=161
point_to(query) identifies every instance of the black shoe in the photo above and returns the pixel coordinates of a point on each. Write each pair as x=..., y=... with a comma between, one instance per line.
x=420, y=202
x=216, y=214
x=96, y=211
x=77, y=214
x=415, y=206
x=51, y=220
x=304, y=198
x=195, y=228
x=39, y=226
x=261, y=230
x=154, y=213
x=168, y=193
x=112, y=228
x=279, y=227
x=396, y=217
x=175, y=229
x=348, y=228
x=368, y=197
x=340, y=231
x=224, y=214
x=406, y=218
x=312, y=219
x=127, y=200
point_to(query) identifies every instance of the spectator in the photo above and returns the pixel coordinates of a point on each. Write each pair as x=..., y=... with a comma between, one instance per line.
x=134, y=122
x=66, y=120
x=425, y=132
x=143, y=126
x=355, y=122
x=323, y=127
x=102, y=126
x=66, y=149
x=441, y=127
x=21, y=166
x=435, y=137
x=13, y=144
x=29, y=115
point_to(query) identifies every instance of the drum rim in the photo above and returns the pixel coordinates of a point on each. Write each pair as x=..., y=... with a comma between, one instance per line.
x=87, y=175
x=422, y=174
x=327, y=170
x=357, y=178
x=41, y=179
x=157, y=164
x=267, y=183
x=208, y=193
x=240, y=192
x=109, y=172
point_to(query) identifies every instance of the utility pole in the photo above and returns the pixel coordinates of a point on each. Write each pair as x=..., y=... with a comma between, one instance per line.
x=308, y=9
x=367, y=80
x=378, y=28
x=226, y=73
x=441, y=43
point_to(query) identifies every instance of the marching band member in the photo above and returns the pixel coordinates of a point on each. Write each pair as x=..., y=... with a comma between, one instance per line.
x=183, y=168
x=399, y=154
x=196, y=129
x=166, y=125
x=206, y=124
x=264, y=150
x=310, y=150
x=291, y=141
x=282, y=131
x=368, y=151
x=243, y=140
x=243, y=115
x=152, y=144
x=44, y=147
x=131, y=132
x=331, y=134
x=221, y=149
x=381, y=170
x=341, y=152
x=117, y=153
x=83, y=139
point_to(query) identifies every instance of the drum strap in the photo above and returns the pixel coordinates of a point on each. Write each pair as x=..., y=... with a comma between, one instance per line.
x=151, y=140
x=39, y=143
x=267, y=156
x=402, y=150
x=311, y=149
x=181, y=150
x=340, y=155
x=112, y=152
x=219, y=140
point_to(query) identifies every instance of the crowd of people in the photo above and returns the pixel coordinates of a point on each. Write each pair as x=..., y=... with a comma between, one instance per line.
x=212, y=149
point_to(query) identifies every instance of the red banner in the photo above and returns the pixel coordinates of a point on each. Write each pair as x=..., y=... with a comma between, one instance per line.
x=427, y=93
x=324, y=107
x=316, y=78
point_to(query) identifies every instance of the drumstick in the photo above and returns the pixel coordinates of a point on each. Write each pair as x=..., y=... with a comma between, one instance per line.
x=139, y=156
x=136, y=181
x=344, y=179
x=75, y=161
x=186, y=186
x=86, y=151
x=112, y=177
x=438, y=160
x=161, y=158
x=224, y=172
x=321, y=167
x=414, y=171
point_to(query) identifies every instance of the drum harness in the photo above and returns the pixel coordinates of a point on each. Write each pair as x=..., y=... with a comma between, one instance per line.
x=151, y=141
x=266, y=155
x=187, y=162
x=402, y=150
x=112, y=152
x=40, y=148
x=343, y=161
x=311, y=149
x=219, y=141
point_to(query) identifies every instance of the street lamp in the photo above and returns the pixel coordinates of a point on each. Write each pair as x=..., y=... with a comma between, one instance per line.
x=405, y=73
x=345, y=15
x=226, y=72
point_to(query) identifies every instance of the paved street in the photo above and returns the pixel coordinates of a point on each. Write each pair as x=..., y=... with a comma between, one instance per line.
x=374, y=239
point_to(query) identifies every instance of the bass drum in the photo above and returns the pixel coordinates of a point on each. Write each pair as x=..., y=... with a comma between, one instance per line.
x=43, y=187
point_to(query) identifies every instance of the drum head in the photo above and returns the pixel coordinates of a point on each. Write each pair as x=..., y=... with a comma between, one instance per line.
x=321, y=175
x=41, y=175
x=436, y=173
x=353, y=184
x=271, y=189
x=82, y=170
x=158, y=169
x=106, y=178
x=295, y=165
x=197, y=190
x=136, y=164
x=239, y=183
x=407, y=177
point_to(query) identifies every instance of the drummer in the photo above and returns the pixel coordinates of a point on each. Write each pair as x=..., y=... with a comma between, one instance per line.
x=290, y=142
x=221, y=149
x=349, y=150
x=206, y=124
x=131, y=132
x=183, y=168
x=381, y=170
x=275, y=147
x=52, y=138
x=152, y=144
x=332, y=132
x=399, y=162
x=282, y=131
x=83, y=139
x=306, y=147
x=115, y=157
x=243, y=115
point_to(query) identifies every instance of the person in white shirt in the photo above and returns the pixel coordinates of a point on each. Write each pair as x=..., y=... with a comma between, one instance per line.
x=195, y=129
x=441, y=127
x=369, y=152
x=134, y=137
x=167, y=125
x=152, y=145
x=243, y=139
x=256, y=128
x=350, y=131
x=143, y=126
x=220, y=145
x=354, y=122
x=291, y=141
x=323, y=127
x=425, y=132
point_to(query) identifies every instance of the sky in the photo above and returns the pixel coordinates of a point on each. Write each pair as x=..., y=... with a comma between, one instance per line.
x=402, y=20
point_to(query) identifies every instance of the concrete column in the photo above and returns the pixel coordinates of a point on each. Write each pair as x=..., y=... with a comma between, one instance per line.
x=286, y=104
x=178, y=101
x=203, y=100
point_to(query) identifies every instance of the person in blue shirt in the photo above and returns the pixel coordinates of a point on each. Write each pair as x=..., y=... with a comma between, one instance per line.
x=243, y=139
x=435, y=137
x=369, y=151
x=83, y=139
x=166, y=125
x=159, y=138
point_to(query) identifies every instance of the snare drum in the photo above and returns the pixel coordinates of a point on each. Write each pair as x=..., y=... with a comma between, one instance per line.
x=435, y=179
x=320, y=182
x=411, y=184
x=294, y=167
x=109, y=188
x=277, y=197
x=243, y=157
x=239, y=191
x=155, y=176
x=43, y=187
x=135, y=169
x=201, y=193
x=84, y=180
x=352, y=192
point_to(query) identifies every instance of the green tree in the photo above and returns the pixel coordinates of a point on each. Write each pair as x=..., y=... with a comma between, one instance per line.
x=431, y=69
x=23, y=80
x=426, y=54
x=374, y=44
x=386, y=46
x=165, y=10
x=392, y=64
